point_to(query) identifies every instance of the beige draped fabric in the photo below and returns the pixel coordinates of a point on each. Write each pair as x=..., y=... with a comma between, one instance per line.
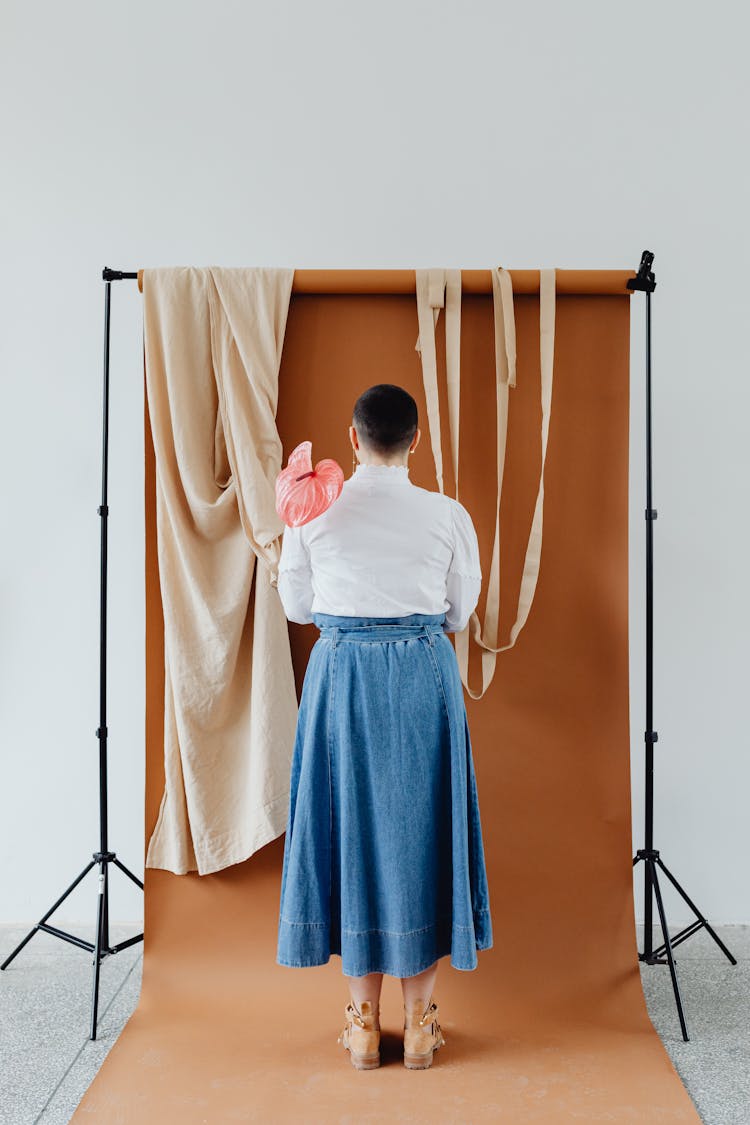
x=212, y=347
x=435, y=289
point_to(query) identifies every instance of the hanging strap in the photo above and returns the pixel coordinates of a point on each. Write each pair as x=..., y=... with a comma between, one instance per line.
x=437, y=289
x=505, y=377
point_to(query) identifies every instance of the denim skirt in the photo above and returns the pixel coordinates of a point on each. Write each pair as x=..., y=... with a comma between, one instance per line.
x=383, y=858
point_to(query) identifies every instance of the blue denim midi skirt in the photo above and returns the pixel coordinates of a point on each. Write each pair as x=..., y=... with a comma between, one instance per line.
x=383, y=858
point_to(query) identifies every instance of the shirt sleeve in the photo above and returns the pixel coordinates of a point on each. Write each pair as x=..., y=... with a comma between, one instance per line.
x=464, y=579
x=294, y=582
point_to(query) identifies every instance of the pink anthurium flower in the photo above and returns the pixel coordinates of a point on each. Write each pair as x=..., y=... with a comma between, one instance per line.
x=302, y=493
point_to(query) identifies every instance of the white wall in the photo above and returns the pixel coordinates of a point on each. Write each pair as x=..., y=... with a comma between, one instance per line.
x=331, y=135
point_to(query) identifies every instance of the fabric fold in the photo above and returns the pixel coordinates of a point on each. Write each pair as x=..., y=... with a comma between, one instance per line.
x=213, y=340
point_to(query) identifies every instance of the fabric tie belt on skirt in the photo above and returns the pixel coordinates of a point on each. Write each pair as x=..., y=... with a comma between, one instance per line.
x=363, y=629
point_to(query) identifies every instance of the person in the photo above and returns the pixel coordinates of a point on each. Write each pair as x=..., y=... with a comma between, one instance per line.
x=383, y=858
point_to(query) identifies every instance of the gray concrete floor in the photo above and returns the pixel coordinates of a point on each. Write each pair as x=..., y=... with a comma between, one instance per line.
x=48, y=1060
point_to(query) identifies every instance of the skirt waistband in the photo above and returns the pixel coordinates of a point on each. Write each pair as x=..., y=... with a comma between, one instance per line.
x=342, y=628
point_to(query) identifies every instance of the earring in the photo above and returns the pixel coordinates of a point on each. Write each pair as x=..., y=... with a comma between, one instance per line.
x=354, y=459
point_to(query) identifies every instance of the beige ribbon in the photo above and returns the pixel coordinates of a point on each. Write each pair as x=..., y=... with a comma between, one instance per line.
x=437, y=289
x=505, y=377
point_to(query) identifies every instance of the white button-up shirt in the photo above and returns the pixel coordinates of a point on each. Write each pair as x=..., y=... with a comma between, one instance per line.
x=384, y=548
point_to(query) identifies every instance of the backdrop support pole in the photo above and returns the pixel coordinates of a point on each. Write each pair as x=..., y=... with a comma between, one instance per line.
x=101, y=948
x=644, y=282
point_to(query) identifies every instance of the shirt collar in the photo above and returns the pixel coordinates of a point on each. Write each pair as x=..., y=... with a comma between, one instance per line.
x=388, y=474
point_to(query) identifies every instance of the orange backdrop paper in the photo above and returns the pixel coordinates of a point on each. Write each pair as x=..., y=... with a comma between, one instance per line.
x=552, y=1026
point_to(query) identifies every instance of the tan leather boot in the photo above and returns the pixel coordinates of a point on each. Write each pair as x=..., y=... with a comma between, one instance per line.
x=361, y=1036
x=422, y=1033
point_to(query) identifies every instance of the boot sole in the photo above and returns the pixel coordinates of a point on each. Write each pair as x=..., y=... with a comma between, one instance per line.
x=364, y=1062
x=418, y=1062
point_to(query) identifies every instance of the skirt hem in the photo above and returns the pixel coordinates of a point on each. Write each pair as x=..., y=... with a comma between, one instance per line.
x=386, y=969
x=382, y=951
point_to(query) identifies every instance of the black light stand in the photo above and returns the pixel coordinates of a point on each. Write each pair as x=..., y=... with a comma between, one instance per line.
x=645, y=283
x=101, y=948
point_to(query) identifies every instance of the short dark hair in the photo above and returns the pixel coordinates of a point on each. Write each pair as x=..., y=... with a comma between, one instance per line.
x=385, y=417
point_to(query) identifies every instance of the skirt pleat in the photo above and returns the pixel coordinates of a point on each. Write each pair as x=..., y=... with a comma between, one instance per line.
x=383, y=858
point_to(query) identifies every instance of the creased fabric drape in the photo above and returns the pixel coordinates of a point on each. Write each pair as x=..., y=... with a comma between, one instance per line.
x=213, y=340
x=440, y=288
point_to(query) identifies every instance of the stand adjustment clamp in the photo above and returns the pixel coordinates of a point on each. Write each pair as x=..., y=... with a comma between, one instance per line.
x=650, y=513
x=651, y=736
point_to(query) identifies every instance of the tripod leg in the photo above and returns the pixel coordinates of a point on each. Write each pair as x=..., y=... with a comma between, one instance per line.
x=105, y=913
x=129, y=874
x=100, y=914
x=647, y=904
x=44, y=918
x=697, y=912
x=670, y=957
